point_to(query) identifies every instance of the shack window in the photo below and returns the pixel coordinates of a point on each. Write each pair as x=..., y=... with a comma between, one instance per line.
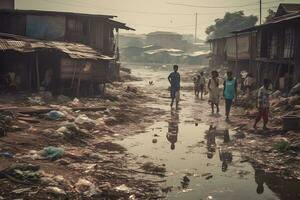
x=289, y=38
x=274, y=45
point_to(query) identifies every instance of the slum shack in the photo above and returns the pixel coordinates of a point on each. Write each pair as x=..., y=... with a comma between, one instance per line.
x=59, y=67
x=268, y=50
x=278, y=44
x=66, y=41
x=235, y=52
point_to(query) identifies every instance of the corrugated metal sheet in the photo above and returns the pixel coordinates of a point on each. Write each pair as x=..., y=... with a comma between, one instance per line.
x=73, y=50
x=276, y=20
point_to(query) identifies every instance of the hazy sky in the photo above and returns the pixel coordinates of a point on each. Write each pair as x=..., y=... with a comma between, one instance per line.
x=152, y=15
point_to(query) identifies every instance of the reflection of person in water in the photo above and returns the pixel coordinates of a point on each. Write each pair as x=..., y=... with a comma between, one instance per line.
x=211, y=141
x=226, y=158
x=173, y=129
x=260, y=180
x=226, y=136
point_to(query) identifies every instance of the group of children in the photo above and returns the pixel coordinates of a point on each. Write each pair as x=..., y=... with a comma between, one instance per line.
x=229, y=92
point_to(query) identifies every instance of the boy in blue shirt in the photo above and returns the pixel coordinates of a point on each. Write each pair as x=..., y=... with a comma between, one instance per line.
x=230, y=92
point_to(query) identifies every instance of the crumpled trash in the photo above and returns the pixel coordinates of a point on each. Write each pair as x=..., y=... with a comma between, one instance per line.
x=55, y=115
x=21, y=190
x=52, y=153
x=82, y=119
x=123, y=188
x=55, y=190
x=88, y=188
x=22, y=172
x=83, y=184
x=72, y=131
x=75, y=102
x=6, y=154
x=46, y=95
x=63, y=99
x=36, y=100
x=85, y=121
x=295, y=89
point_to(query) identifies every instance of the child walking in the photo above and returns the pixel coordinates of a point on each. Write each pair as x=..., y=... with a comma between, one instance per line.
x=263, y=104
x=214, y=94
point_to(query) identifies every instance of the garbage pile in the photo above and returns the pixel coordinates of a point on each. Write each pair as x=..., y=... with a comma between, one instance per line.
x=61, y=148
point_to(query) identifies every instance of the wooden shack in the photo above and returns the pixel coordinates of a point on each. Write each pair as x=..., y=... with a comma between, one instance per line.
x=278, y=47
x=100, y=32
x=75, y=68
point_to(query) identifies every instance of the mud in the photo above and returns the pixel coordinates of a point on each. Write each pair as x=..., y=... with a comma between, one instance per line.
x=206, y=157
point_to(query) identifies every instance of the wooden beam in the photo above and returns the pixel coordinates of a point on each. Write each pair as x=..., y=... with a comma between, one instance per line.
x=37, y=71
x=236, y=54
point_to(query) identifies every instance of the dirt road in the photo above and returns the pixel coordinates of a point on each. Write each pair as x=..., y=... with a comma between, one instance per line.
x=204, y=156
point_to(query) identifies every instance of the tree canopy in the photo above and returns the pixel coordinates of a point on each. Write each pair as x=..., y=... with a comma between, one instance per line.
x=231, y=22
x=271, y=14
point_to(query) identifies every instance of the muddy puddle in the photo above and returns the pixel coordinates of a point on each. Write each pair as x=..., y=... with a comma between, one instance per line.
x=198, y=157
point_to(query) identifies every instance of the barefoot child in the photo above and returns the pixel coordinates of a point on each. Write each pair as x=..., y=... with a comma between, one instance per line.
x=213, y=88
x=174, y=79
x=263, y=104
x=201, y=82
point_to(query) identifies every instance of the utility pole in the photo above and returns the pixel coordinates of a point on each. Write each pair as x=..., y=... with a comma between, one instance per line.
x=196, y=26
x=260, y=5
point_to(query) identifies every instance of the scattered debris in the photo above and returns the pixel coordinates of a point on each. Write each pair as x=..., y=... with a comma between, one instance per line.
x=52, y=153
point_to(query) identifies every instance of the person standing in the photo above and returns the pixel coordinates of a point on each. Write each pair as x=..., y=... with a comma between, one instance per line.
x=201, y=82
x=263, y=104
x=230, y=92
x=213, y=88
x=196, y=86
x=174, y=79
x=249, y=83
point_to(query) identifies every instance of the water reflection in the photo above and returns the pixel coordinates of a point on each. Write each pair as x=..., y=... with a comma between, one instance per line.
x=285, y=189
x=172, y=133
x=260, y=180
x=211, y=141
x=225, y=154
x=225, y=158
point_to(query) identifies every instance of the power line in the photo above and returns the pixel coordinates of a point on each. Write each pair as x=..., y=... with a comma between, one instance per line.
x=232, y=6
x=113, y=9
x=135, y=12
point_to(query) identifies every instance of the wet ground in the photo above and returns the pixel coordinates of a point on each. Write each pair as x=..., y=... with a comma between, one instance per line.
x=197, y=149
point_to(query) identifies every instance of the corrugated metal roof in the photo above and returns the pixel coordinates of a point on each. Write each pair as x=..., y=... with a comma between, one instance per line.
x=73, y=50
x=116, y=24
x=290, y=7
x=276, y=20
x=120, y=25
x=53, y=13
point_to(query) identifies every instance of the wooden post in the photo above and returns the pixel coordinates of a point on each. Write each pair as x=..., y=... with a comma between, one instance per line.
x=250, y=53
x=236, y=54
x=37, y=71
x=29, y=76
x=78, y=82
